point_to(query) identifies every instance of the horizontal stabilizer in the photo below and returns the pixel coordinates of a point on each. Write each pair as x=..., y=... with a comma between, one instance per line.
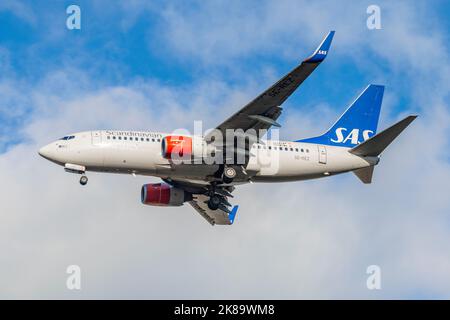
x=375, y=145
x=364, y=174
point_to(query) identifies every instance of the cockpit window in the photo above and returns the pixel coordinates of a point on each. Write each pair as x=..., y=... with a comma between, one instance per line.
x=67, y=138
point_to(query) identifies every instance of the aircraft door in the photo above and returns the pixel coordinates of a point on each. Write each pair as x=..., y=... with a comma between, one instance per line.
x=322, y=154
x=96, y=137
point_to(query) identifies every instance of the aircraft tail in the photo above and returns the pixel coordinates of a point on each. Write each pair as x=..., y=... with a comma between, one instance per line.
x=358, y=123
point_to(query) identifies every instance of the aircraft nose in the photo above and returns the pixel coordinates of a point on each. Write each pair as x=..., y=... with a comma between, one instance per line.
x=46, y=152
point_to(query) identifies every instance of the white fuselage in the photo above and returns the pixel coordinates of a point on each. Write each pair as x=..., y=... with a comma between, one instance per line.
x=134, y=152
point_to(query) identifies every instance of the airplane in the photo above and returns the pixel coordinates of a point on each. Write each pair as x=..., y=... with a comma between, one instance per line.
x=183, y=162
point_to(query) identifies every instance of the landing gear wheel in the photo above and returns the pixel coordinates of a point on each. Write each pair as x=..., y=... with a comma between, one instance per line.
x=83, y=180
x=229, y=174
x=213, y=203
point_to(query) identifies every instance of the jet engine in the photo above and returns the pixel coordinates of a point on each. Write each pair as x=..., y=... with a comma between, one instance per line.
x=185, y=148
x=163, y=194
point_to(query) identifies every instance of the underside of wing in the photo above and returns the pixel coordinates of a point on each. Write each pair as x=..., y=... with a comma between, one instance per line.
x=211, y=201
x=219, y=216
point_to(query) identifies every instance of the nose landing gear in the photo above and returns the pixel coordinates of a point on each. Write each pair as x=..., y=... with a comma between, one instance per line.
x=83, y=180
x=75, y=168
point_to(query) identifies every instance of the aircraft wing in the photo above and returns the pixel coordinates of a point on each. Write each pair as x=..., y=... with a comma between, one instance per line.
x=221, y=216
x=263, y=111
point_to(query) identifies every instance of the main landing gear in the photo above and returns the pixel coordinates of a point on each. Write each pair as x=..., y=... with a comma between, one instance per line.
x=214, y=202
x=83, y=180
x=218, y=197
x=229, y=174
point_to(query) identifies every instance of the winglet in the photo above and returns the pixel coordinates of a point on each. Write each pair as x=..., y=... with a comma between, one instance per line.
x=232, y=214
x=376, y=144
x=322, y=50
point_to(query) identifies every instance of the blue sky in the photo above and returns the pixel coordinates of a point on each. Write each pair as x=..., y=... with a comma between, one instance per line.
x=160, y=65
x=117, y=45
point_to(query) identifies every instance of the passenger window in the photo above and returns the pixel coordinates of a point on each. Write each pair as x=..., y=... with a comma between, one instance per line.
x=158, y=140
x=153, y=140
x=296, y=149
x=307, y=150
x=292, y=149
x=108, y=137
x=148, y=139
x=114, y=137
x=286, y=149
x=302, y=150
x=120, y=138
x=142, y=139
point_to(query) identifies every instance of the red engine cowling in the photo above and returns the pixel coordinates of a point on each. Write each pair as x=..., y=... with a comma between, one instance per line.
x=176, y=147
x=162, y=194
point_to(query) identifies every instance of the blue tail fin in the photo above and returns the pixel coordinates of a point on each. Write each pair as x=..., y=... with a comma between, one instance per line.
x=358, y=123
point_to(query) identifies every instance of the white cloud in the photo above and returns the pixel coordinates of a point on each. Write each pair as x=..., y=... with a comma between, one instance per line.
x=311, y=239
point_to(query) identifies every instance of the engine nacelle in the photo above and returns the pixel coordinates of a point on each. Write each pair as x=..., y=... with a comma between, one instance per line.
x=163, y=194
x=177, y=147
x=186, y=148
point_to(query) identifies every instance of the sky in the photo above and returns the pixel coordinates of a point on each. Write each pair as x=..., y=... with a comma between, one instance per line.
x=160, y=66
